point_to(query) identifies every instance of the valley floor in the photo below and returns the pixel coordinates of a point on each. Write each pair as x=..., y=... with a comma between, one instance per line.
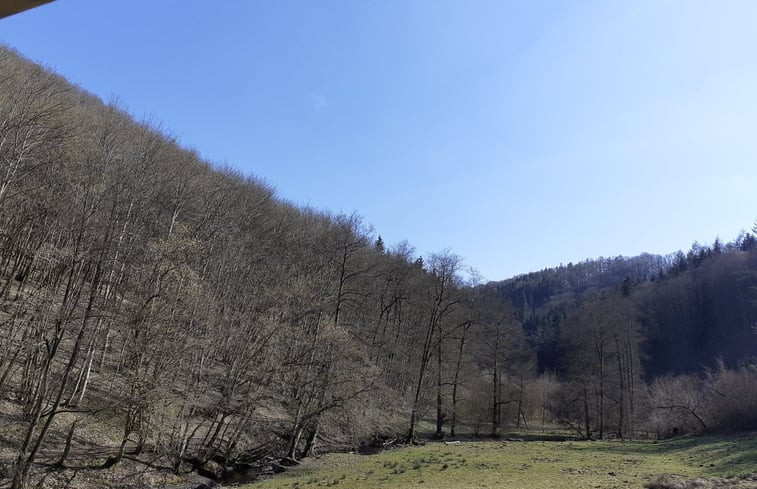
x=687, y=462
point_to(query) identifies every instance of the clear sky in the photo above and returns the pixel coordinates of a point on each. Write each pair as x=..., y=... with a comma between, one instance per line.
x=518, y=134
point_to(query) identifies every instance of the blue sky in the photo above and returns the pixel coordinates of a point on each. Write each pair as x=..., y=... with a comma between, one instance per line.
x=519, y=135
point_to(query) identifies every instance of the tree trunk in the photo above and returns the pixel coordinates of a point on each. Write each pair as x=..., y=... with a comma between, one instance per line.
x=439, y=412
x=621, y=377
x=61, y=462
x=310, y=444
x=453, y=421
x=495, y=401
x=587, y=419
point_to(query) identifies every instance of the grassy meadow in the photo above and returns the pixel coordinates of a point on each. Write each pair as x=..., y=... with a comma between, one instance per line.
x=691, y=462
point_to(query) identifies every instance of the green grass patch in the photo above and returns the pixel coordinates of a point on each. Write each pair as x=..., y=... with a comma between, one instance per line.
x=537, y=464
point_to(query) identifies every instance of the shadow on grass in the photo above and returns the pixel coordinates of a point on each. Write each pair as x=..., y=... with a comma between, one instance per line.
x=716, y=454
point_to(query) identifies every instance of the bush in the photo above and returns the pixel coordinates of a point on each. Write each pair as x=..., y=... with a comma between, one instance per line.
x=724, y=400
x=734, y=400
x=668, y=481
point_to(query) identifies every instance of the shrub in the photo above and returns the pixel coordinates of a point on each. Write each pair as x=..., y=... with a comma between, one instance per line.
x=668, y=481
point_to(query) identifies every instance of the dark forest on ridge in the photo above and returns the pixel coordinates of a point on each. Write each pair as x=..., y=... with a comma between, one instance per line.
x=155, y=306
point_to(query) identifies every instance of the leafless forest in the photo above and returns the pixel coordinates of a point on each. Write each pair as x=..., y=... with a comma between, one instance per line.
x=157, y=307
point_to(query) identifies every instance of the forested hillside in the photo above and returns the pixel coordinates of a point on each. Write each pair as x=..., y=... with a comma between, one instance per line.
x=161, y=312
x=161, y=304
x=694, y=309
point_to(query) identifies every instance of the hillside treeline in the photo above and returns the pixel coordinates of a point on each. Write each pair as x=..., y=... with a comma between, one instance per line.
x=153, y=305
x=694, y=309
